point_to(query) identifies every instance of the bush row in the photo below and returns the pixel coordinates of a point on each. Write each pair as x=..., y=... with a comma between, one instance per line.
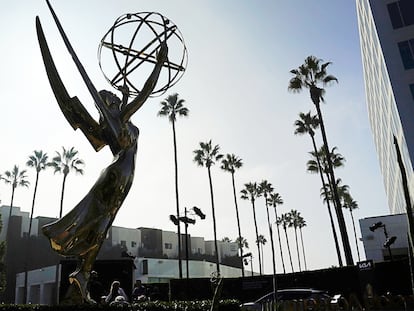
x=203, y=305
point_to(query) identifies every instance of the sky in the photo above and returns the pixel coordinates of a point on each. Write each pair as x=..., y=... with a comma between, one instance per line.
x=240, y=54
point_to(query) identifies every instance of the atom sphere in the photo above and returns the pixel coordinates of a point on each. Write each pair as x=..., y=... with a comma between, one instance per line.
x=128, y=52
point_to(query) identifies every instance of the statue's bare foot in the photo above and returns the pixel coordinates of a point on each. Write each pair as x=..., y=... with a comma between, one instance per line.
x=81, y=280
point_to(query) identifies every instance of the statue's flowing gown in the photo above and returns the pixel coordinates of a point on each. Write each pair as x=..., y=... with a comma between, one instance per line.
x=85, y=227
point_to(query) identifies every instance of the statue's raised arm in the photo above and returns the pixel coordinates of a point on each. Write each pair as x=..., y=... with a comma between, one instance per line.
x=73, y=110
x=149, y=85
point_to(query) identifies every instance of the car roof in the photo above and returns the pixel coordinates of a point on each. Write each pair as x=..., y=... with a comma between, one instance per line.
x=293, y=291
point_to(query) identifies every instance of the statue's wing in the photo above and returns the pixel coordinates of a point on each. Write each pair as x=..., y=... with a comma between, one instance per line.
x=73, y=110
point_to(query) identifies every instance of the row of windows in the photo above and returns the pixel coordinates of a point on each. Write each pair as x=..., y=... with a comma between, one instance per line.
x=133, y=243
x=401, y=13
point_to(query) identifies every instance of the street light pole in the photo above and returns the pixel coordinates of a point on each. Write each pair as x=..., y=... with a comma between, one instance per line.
x=245, y=260
x=186, y=220
x=388, y=240
x=186, y=242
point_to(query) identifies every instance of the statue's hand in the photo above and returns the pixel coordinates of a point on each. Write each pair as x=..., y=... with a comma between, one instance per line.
x=124, y=89
x=125, y=94
x=163, y=52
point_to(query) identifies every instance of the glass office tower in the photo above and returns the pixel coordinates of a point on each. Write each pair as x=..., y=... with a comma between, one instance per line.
x=386, y=29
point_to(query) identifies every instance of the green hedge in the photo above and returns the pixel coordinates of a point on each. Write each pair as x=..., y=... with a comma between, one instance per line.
x=203, y=305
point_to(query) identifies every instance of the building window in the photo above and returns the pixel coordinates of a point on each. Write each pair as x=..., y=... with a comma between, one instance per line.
x=123, y=243
x=407, y=53
x=167, y=245
x=412, y=90
x=401, y=13
x=133, y=243
x=145, y=266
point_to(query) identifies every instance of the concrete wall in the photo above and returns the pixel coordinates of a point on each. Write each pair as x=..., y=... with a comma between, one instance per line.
x=160, y=270
x=41, y=286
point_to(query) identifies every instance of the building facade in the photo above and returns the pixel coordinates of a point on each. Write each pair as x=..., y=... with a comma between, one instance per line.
x=386, y=31
x=392, y=226
x=154, y=252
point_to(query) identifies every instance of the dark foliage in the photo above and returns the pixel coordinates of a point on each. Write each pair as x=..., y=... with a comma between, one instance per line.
x=225, y=305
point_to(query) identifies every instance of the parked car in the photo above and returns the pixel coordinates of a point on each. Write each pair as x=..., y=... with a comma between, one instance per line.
x=287, y=294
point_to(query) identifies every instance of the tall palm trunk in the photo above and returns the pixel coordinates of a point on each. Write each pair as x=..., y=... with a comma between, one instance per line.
x=328, y=204
x=11, y=203
x=214, y=221
x=355, y=235
x=33, y=202
x=28, y=252
x=288, y=247
x=280, y=242
x=10, y=212
x=257, y=237
x=297, y=249
x=272, y=247
x=238, y=222
x=315, y=96
x=180, y=269
x=262, y=253
x=303, y=248
x=62, y=194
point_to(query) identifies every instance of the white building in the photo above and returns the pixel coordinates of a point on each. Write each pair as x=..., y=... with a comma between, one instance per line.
x=386, y=30
x=142, y=242
x=5, y=212
x=395, y=225
x=155, y=252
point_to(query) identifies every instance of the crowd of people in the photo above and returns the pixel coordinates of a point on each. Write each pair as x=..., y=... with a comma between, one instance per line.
x=116, y=294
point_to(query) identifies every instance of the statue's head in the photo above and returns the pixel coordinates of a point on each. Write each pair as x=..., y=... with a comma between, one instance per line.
x=110, y=99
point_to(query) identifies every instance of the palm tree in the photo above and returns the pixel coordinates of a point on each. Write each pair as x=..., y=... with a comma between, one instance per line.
x=251, y=192
x=284, y=220
x=172, y=107
x=307, y=124
x=310, y=75
x=301, y=224
x=337, y=159
x=266, y=189
x=229, y=164
x=242, y=242
x=207, y=156
x=351, y=204
x=63, y=163
x=261, y=241
x=3, y=268
x=341, y=189
x=274, y=200
x=39, y=162
x=294, y=222
x=15, y=178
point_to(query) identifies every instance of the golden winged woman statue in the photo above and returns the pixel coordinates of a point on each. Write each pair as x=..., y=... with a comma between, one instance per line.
x=81, y=231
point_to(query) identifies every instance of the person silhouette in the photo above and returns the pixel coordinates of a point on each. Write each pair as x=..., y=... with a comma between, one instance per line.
x=115, y=293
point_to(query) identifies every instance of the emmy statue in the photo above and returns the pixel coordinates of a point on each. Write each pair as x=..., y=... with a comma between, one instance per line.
x=81, y=232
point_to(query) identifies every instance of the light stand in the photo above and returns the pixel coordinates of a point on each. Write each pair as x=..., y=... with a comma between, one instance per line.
x=246, y=262
x=388, y=240
x=186, y=220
